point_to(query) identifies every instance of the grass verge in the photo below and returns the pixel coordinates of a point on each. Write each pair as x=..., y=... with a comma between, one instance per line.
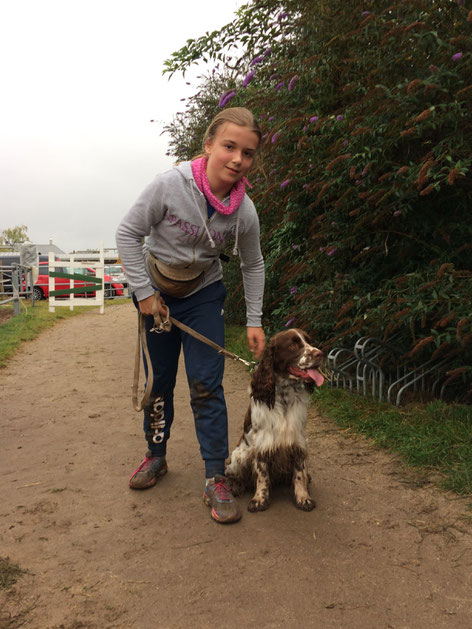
x=32, y=321
x=236, y=341
x=435, y=438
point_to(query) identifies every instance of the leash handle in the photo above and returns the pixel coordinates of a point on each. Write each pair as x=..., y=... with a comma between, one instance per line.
x=142, y=345
x=159, y=326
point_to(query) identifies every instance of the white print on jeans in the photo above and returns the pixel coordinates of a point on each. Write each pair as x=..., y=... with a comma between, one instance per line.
x=157, y=422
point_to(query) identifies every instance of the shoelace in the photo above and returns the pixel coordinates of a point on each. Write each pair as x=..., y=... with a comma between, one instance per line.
x=222, y=491
x=145, y=465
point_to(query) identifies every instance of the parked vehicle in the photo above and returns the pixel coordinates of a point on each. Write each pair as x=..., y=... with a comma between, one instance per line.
x=116, y=272
x=41, y=286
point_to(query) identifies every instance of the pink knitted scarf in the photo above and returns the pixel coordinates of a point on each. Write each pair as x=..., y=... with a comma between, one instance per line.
x=201, y=179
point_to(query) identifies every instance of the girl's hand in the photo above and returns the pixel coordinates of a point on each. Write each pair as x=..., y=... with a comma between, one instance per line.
x=146, y=306
x=257, y=341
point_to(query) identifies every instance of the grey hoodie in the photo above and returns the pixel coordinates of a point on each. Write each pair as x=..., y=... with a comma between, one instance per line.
x=172, y=214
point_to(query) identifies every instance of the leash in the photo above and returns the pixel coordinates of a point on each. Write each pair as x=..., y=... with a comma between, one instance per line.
x=160, y=326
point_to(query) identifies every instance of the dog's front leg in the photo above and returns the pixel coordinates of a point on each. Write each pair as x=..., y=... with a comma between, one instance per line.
x=301, y=480
x=260, y=500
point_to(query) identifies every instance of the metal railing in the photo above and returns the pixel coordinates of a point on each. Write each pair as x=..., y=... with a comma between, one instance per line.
x=16, y=280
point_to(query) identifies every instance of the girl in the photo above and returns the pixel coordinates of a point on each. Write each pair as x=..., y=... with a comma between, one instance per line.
x=188, y=214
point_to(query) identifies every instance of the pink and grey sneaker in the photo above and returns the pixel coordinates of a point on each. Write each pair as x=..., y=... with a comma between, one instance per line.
x=148, y=472
x=224, y=508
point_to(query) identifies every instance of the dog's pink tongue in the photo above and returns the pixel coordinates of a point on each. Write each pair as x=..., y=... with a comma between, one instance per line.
x=312, y=373
x=316, y=376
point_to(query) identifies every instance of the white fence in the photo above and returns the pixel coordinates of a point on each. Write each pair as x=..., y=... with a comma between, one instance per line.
x=75, y=283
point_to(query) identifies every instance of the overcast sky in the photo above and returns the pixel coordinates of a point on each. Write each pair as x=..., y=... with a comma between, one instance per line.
x=81, y=81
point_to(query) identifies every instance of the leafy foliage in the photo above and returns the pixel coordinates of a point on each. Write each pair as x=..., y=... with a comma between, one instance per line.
x=14, y=235
x=365, y=194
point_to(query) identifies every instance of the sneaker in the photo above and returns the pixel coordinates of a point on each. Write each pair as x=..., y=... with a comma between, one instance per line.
x=224, y=508
x=148, y=472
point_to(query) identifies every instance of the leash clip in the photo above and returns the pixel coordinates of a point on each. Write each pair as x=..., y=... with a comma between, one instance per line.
x=162, y=326
x=249, y=363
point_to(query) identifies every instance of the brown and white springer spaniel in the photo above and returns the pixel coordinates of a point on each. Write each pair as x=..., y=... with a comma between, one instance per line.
x=272, y=449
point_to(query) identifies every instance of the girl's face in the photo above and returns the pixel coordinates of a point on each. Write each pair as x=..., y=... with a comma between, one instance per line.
x=230, y=155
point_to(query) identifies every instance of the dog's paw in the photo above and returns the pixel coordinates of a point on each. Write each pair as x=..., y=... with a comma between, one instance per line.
x=257, y=505
x=306, y=505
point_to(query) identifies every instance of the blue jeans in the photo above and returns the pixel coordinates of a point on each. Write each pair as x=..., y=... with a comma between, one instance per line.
x=203, y=312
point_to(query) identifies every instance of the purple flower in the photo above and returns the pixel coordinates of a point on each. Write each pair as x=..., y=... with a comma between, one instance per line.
x=397, y=213
x=264, y=137
x=270, y=118
x=365, y=13
x=257, y=60
x=279, y=85
x=293, y=80
x=248, y=78
x=339, y=118
x=293, y=290
x=345, y=142
x=226, y=97
x=313, y=118
x=284, y=183
x=331, y=251
x=294, y=246
x=274, y=137
x=282, y=16
x=267, y=51
x=457, y=56
x=289, y=322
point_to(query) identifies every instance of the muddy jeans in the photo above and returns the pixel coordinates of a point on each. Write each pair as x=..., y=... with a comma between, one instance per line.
x=203, y=312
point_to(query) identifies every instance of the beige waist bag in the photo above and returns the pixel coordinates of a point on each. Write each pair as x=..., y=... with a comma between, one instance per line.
x=173, y=281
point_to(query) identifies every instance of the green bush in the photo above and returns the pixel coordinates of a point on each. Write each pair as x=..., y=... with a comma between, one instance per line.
x=365, y=193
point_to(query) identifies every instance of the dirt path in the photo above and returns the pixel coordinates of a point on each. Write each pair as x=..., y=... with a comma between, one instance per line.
x=376, y=553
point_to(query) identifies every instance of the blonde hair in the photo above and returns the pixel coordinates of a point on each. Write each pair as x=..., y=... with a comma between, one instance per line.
x=237, y=115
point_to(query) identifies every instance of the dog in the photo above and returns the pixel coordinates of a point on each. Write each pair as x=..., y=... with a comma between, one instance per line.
x=272, y=449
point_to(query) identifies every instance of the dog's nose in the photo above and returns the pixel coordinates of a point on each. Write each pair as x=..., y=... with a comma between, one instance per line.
x=316, y=354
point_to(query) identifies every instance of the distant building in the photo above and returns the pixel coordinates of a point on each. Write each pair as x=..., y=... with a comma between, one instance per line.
x=43, y=250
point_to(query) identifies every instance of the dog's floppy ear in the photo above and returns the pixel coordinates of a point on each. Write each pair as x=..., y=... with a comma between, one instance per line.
x=263, y=380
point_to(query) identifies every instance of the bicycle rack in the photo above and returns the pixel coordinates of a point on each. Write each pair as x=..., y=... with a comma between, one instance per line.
x=370, y=369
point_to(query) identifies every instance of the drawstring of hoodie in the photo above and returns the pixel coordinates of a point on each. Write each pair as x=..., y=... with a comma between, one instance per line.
x=212, y=242
x=235, y=248
x=205, y=225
